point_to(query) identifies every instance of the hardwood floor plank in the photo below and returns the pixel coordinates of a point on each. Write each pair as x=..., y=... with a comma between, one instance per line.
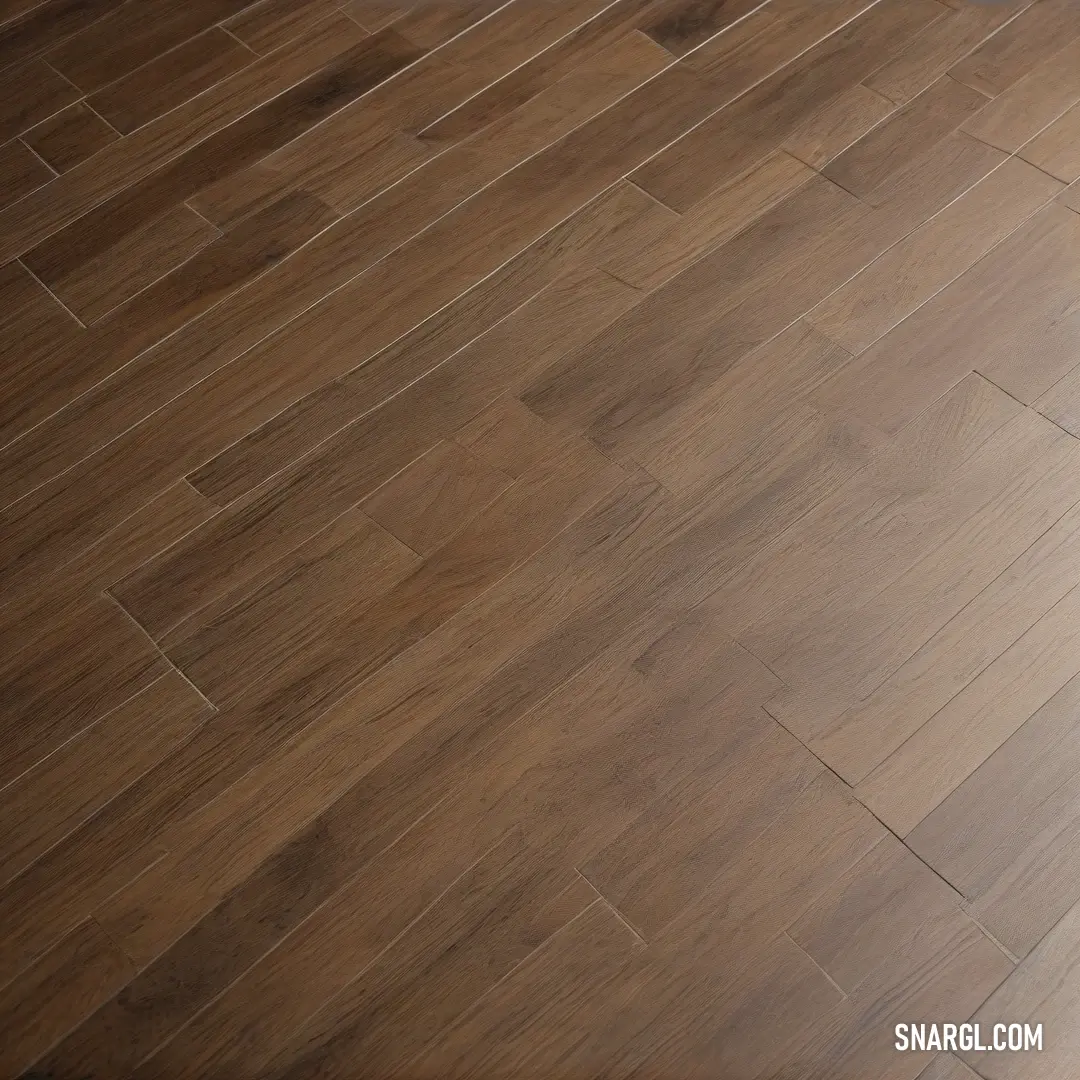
x=79, y=777
x=560, y=497
x=18, y=290
x=447, y=673
x=12, y=9
x=947, y=1067
x=76, y=426
x=1054, y=149
x=1059, y=403
x=348, y=545
x=57, y=992
x=953, y=965
x=762, y=604
x=985, y=628
x=419, y=777
x=534, y=1018
x=170, y=79
x=542, y=277
x=54, y=597
x=269, y=25
x=911, y=130
x=952, y=744
x=59, y=684
x=682, y=26
x=943, y=45
x=70, y=136
x=341, y=917
x=759, y=396
x=132, y=35
x=1042, y=990
x=377, y=153
x=757, y=123
x=509, y=38
x=34, y=332
x=43, y=25
x=823, y=707
x=254, y=135
x=456, y=951
x=1070, y=197
x=1032, y=103
x=673, y=242
x=140, y=258
x=21, y=171
x=373, y=14
x=785, y=883
x=133, y=158
x=315, y=287
x=30, y=93
x=514, y=89
x=445, y=581
x=1017, y=870
x=722, y=1032
x=1036, y=34
x=832, y=129
x=795, y=254
x=609, y=799
x=431, y=499
x=935, y=254
x=880, y=907
x=338, y=473
x=431, y=25
x=342, y=171
x=599, y=390
x=215, y=431
x=1003, y=318
x=717, y=811
x=549, y=324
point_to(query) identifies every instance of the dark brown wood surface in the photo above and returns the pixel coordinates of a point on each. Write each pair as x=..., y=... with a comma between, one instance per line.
x=538, y=538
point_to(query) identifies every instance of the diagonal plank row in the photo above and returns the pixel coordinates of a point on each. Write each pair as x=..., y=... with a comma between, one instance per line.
x=538, y=538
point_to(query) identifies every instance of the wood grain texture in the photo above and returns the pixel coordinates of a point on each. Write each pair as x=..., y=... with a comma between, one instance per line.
x=170, y=79
x=269, y=25
x=128, y=37
x=70, y=136
x=161, y=522
x=939, y=251
x=38, y=26
x=58, y=992
x=60, y=684
x=973, y=327
x=758, y=122
x=31, y=92
x=952, y=657
x=1044, y=984
x=537, y=539
x=845, y=120
x=912, y=130
x=137, y=260
x=257, y=133
x=1032, y=103
x=1016, y=874
x=21, y=171
x=944, y=44
x=1035, y=35
x=139, y=155
x=150, y=317
x=61, y=791
x=1054, y=148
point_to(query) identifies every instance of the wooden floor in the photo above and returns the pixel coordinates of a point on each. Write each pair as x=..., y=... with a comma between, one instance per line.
x=538, y=539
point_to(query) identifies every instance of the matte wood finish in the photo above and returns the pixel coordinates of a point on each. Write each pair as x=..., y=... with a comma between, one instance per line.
x=70, y=136
x=538, y=538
